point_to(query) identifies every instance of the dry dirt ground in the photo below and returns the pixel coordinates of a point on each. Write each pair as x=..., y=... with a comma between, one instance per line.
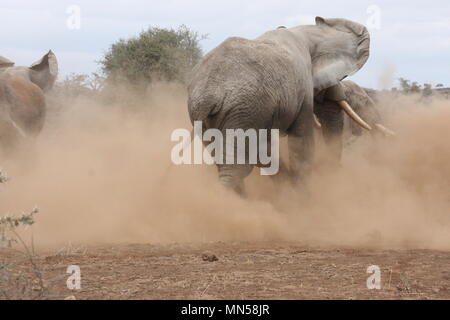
x=241, y=271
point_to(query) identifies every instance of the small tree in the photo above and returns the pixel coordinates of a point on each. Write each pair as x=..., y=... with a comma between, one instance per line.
x=404, y=84
x=409, y=87
x=76, y=84
x=427, y=90
x=415, y=87
x=156, y=54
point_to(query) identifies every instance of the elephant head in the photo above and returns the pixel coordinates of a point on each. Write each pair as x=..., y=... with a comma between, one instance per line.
x=364, y=106
x=42, y=73
x=328, y=108
x=339, y=49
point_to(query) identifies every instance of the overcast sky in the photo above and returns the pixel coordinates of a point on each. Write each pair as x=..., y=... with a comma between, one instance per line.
x=409, y=38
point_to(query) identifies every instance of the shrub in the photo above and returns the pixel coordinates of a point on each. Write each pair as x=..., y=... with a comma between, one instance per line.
x=18, y=280
x=156, y=54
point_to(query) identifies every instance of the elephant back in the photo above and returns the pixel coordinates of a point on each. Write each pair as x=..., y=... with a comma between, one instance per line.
x=242, y=72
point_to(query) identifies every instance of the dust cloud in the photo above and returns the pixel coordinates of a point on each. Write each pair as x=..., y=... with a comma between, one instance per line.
x=101, y=173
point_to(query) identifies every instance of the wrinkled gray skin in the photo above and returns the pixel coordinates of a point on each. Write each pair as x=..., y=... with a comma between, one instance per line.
x=269, y=83
x=331, y=117
x=22, y=100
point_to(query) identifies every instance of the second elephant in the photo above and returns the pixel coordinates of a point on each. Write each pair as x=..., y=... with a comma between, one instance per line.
x=22, y=100
x=330, y=115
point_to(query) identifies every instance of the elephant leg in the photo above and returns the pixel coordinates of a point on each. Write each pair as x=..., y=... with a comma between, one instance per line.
x=10, y=137
x=301, y=144
x=331, y=117
x=232, y=176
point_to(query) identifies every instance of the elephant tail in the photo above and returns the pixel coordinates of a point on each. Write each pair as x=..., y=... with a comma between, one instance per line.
x=203, y=107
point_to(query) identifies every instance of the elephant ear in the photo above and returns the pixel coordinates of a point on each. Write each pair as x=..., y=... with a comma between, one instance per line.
x=45, y=71
x=4, y=63
x=342, y=49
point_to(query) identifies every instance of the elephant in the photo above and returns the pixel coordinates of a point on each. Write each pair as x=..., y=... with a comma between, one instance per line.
x=22, y=100
x=42, y=73
x=270, y=82
x=330, y=115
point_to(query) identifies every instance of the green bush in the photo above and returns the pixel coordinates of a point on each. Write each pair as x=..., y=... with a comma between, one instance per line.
x=156, y=54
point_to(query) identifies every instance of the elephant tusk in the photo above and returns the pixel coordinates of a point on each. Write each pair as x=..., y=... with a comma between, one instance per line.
x=19, y=130
x=352, y=114
x=317, y=122
x=385, y=130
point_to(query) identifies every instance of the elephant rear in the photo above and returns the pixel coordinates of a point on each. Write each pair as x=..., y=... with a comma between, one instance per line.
x=243, y=84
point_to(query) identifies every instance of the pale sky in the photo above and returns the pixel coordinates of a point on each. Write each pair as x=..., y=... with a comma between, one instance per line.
x=409, y=38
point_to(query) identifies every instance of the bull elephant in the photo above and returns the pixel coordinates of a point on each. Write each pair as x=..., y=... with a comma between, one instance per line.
x=330, y=106
x=22, y=100
x=269, y=83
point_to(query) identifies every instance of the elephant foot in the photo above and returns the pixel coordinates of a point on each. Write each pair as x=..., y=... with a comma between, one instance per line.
x=232, y=177
x=237, y=187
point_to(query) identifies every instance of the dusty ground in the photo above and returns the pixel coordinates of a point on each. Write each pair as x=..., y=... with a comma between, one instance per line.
x=106, y=177
x=243, y=271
